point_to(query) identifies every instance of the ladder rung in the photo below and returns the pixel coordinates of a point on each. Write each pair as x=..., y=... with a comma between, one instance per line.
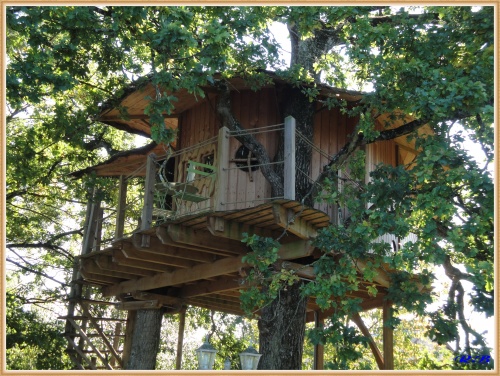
x=88, y=318
x=94, y=335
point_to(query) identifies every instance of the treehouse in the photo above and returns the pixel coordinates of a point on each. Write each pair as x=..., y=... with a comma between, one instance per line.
x=195, y=199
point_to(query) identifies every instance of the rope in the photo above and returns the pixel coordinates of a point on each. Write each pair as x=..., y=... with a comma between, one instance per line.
x=134, y=173
x=257, y=130
x=188, y=149
x=250, y=132
x=253, y=165
x=260, y=199
x=313, y=146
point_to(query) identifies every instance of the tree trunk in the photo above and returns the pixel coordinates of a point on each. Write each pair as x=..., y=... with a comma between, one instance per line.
x=282, y=324
x=281, y=329
x=145, y=340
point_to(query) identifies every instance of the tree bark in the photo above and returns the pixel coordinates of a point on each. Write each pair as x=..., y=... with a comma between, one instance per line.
x=145, y=340
x=281, y=328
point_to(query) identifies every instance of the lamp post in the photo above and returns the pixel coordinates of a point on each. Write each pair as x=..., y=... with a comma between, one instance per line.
x=206, y=355
x=249, y=358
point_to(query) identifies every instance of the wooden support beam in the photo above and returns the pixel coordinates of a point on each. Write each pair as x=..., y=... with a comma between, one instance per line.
x=289, y=221
x=90, y=228
x=121, y=259
x=140, y=304
x=365, y=306
x=135, y=117
x=209, y=287
x=180, y=338
x=165, y=300
x=129, y=330
x=99, y=278
x=234, y=230
x=147, y=210
x=197, y=272
x=105, y=262
x=165, y=238
x=164, y=245
x=122, y=207
x=289, y=156
x=131, y=252
x=205, y=240
x=319, y=350
x=356, y=318
x=388, y=336
x=302, y=271
x=381, y=277
x=116, y=341
x=90, y=266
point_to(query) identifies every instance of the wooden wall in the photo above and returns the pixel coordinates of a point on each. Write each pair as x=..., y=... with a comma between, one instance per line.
x=253, y=110
x=260, y=109
x=331, y=133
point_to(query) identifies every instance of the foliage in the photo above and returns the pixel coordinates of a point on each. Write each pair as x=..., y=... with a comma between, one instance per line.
x=33, y=343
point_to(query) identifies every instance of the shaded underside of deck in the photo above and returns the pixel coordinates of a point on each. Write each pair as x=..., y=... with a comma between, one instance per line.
x=197, y=260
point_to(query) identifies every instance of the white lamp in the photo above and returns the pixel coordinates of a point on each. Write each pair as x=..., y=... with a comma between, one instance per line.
x=206, y=355
x=249, y=358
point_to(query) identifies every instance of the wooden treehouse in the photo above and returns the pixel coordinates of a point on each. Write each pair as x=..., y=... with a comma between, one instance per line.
x=193, y=201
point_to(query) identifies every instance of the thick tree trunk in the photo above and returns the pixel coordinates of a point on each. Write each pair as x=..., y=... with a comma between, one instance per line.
x=145, y=340
x=281, y=329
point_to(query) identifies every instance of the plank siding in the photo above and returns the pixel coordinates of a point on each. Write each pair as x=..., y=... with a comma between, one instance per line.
x=260, y=109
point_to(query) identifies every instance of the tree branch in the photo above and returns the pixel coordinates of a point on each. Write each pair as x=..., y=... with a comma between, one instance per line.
x=228, y=120
x=52, y=247
x=35, y=272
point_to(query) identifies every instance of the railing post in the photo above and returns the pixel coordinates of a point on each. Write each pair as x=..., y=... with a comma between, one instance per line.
x=121, y=210
x=98, y=230
x=147, y=210
x=222, y=174
x=89, y=236
x=289, y=157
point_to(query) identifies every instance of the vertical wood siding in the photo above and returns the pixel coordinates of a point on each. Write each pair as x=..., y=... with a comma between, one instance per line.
x=331, y=131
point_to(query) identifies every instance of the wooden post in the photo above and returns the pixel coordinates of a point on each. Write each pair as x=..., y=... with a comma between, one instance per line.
x=98, y=230
x=289, y=170
x=222, y=166
x=129, y=331
x=222, y=184
x=388, y=336
x=122, y=206
x=147, y=210
x=319, y=350
x=116, y=341
x=90, y=229
x=180, y=338
x=75, y=294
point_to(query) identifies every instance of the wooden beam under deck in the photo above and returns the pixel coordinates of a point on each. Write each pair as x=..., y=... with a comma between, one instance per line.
x=203, y=262
x=163, y=245
x=180, y=276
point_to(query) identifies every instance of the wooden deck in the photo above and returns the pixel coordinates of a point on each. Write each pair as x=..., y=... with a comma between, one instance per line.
x=197, y=260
